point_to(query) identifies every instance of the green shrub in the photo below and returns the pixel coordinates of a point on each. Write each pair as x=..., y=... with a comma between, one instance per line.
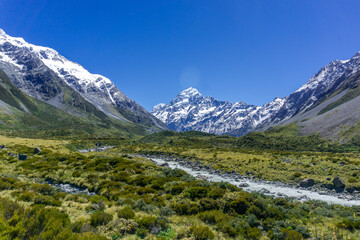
x=201, y=233
x=97, y=199
x=142, y=233
x=177, y=189
x=44, y=189
x=47, y=200
x=211, y=217
x=209, y=204
x=27, y=197
x=297, y=174
x=216, y=193
x=81, y=227
x=126, y=212
x=76, y=173
x=142, y=206
x=167, y=234
x=240, y=205
x=185, y=208
x=290, y=234
x=100, y=218
x=124, y=226
x=349, y=224
x=145, y=190
x=128, y=201
x=196, y=192
x=166, y=211
x=59, y=195
x=146, y=222
x=253, y=233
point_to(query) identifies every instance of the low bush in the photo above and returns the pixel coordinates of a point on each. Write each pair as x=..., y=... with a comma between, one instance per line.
x=216, y=193
x=146, y=222
x=201, y=233
x=196, y=192
x=126, y=212
x=47, y=200
x=209, y=204
x=100, y=218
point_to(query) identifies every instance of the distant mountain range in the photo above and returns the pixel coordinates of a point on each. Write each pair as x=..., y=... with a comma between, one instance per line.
x=48, y=80
x=328, y=104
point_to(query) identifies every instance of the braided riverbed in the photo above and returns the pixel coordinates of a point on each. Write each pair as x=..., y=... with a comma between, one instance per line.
x=248, y=184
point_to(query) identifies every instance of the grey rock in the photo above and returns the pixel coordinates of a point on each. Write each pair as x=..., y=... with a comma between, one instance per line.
x=23, y=157
x=201, y=177
x=309, y=182
x=37, y=150
x=339, y=184
x=244, y=185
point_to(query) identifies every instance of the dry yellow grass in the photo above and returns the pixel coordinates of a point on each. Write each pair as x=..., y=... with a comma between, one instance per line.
x=58, y=145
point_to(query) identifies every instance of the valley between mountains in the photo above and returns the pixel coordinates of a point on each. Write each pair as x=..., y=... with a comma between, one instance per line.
x=80, y=160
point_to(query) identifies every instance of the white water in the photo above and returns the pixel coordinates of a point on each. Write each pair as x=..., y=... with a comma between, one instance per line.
x=256, y=186
x=67, y=188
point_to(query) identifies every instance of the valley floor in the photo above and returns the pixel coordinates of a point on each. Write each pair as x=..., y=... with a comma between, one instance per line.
x=60, y=193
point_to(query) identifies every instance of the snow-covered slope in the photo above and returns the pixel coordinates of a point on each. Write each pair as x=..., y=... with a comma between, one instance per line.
x=191, y=111
x=19, y=58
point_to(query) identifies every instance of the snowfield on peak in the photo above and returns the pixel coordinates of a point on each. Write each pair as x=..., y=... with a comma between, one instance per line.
x=191, y=111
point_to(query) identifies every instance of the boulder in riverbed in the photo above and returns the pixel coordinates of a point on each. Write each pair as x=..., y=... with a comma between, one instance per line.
x=339, y=184
x=37, y=150
x=309, y=182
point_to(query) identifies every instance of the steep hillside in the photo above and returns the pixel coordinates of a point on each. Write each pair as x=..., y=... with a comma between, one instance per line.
x=23, y=115
x=44, y=74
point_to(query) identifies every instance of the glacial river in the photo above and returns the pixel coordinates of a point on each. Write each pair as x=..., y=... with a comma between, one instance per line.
x=267, y=188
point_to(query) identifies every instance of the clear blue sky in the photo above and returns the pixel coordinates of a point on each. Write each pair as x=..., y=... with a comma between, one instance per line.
x=250, y=51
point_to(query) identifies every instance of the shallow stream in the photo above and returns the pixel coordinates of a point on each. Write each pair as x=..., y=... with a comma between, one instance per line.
x=268, y=188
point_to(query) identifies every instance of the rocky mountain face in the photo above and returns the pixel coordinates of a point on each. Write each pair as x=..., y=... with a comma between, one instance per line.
x=191, y=111
x=44, y=74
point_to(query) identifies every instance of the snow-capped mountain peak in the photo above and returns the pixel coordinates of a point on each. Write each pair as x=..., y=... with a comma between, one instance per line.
x=18, y=58
x=207, y=114
x=190, y=92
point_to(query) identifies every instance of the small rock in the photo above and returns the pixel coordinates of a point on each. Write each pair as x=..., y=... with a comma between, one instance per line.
x=201, y=177
x=23, y=157
x=244, y=185
x=155, y=230
x=264, y=190
x=309, y=182
x=37, y=150
x=249, y=173
x=164, y=164
x=339, y=184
